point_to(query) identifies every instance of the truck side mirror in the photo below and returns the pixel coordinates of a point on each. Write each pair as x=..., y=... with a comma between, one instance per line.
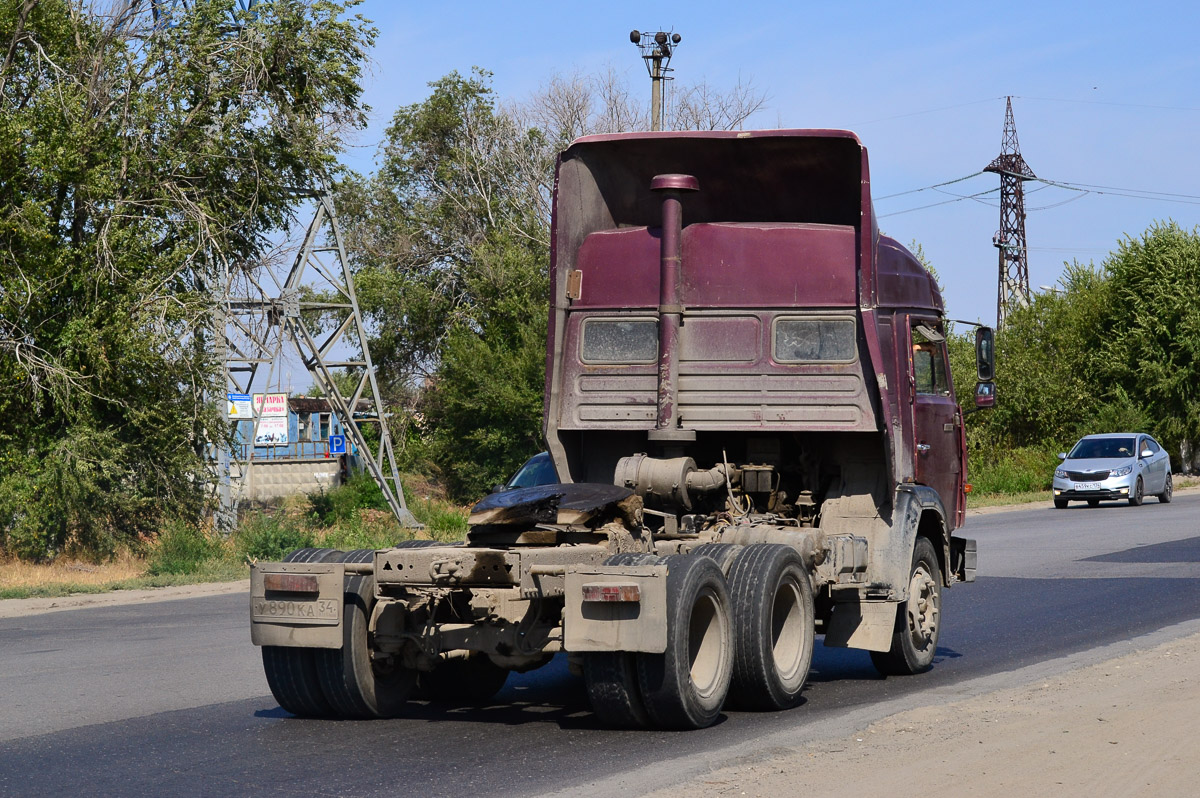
x=985, y=355
x=985, y=394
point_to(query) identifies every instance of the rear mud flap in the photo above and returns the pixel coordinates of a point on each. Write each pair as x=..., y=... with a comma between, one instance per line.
x=963, y=558
x=616, y=608
x=862, y=624
x=297, y=604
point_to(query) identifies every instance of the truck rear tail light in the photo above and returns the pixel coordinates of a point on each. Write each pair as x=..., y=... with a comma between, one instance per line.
x=291, y=583
x=612, y=591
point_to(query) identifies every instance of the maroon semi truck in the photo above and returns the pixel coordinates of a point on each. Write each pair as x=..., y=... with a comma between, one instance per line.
x=757, y=440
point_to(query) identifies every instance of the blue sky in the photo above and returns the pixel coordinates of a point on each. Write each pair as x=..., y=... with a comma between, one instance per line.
x=1104, y=94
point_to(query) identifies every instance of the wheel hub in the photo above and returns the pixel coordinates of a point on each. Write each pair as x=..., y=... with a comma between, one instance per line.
x=922, y=606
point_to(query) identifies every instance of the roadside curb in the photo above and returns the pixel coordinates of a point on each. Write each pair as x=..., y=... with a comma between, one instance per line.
x=14, y=608
x=1010, y=508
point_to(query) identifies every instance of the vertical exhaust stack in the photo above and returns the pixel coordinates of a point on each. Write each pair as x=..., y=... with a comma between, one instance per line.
x=670, y=309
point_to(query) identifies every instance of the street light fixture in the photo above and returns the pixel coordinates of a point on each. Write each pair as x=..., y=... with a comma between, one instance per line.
x=656, y=48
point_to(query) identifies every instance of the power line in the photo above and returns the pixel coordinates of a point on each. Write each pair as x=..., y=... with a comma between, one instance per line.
x=1131, y=193
x=926, y=111
x=926, y=188
x=1083, y=190
x=1106, y=102
x=1067, y=201
x=944, y=202
x=1139, y=193
x=966, y=196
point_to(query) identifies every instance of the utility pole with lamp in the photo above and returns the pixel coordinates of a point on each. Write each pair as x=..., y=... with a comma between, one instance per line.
x=656, y=49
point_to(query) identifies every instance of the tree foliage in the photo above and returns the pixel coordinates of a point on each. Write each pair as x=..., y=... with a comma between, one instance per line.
x=1117, y=349
x=136, y=161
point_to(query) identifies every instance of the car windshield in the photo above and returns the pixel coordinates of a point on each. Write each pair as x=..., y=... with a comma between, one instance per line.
x=539, y=470
x=1099, y=448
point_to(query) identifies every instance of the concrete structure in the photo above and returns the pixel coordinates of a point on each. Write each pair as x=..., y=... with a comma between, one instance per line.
x=304, y=464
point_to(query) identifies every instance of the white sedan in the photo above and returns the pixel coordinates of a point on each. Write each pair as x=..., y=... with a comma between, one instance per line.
x=1116, y=466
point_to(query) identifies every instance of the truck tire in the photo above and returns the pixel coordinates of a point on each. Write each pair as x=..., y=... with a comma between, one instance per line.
x=611, y=676
x=292, y=672
x=685, y=687
x=355, y=685
x=466, y=682
x=918, y=621
x=773, y=620
x=723, y=553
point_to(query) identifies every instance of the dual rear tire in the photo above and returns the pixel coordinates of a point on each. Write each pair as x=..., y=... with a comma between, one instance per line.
x=749, y=636
x=348, y=682
x=774, y=620
x=685, y=686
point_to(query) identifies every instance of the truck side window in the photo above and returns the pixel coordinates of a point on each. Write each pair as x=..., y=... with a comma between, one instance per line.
x=929, y=365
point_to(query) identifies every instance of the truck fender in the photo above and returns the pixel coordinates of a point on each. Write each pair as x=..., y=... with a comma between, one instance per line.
x=918, y=511
x=956, y=555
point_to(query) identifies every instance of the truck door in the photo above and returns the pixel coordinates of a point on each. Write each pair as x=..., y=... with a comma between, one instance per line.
x=936, y=451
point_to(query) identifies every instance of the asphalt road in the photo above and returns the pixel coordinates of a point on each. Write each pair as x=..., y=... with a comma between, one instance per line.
x=167, y=698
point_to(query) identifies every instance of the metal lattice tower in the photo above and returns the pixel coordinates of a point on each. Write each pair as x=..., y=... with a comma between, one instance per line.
x=318, y=294
x=1010, y=239
x=251, y=325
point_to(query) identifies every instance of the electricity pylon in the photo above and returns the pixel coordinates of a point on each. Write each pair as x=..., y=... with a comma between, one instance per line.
x=1010, y=239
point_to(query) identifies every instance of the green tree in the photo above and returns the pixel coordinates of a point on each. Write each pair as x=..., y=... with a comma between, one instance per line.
x=450, y=241
x=485, y=404
x=1150, y=349
x=453, y=175
x=135, y=162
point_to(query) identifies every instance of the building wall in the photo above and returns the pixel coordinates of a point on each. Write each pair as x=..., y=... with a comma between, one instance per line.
x=285, y=476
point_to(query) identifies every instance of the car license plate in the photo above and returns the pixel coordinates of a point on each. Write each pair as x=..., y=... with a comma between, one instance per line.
x=1087, y=486
x=318, y=611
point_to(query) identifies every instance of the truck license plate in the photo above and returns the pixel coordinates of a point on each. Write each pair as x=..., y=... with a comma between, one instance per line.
x=319, y=611
x=1087, y=486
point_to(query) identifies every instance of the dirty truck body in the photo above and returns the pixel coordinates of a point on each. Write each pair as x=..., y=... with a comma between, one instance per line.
x=749, y=407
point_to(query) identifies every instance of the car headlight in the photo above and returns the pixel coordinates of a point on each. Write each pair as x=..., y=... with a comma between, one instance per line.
x=1121, y=472
x=1058, y=472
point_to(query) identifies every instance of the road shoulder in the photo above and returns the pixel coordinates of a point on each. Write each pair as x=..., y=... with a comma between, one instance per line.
x=1123, y=726
x=14, y=608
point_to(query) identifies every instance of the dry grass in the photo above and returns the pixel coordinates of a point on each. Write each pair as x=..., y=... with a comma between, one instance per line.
x=18, y=579
x=15, y=574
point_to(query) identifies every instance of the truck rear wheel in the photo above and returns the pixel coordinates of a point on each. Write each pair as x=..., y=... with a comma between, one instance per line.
x=918, y=620
x=723, y=553
x=611, y=676
x=465, y=682
x=772, y=598
x=685, y=687
x=292, y=672
x=356, y=684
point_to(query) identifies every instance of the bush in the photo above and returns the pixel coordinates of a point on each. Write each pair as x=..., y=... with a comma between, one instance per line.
x=365, y=529
x=183, y=549
x=359, y=492
x=1011, y=470
x=269, y=539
